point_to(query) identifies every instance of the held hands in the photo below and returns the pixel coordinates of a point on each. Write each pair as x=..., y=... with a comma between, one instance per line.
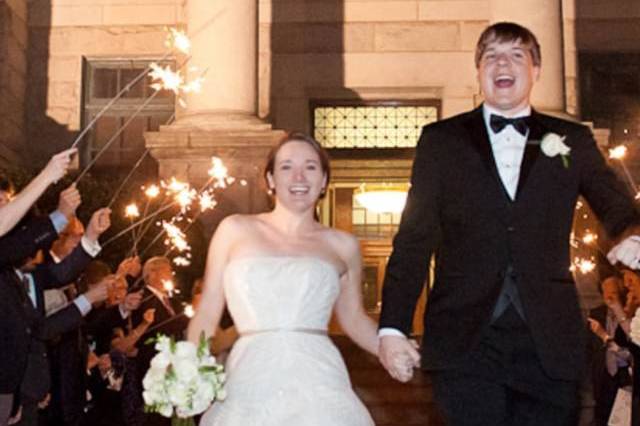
x=69, y=201
x=626, y=252
x=57, y=167
x=399, y=356
x=100, y=222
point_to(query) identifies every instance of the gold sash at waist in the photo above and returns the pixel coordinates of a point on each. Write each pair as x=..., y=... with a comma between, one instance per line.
x=304, y=330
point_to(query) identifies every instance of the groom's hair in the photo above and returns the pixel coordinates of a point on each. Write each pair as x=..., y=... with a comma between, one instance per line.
x=504, y=32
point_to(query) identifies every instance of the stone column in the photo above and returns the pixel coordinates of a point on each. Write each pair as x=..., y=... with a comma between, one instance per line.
x=544, y=19
x=223, y=34
x=221, y=119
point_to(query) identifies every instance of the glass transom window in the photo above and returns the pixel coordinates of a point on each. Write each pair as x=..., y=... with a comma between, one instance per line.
x=372, y=126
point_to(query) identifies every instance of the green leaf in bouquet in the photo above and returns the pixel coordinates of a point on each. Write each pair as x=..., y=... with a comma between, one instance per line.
x=203, y=345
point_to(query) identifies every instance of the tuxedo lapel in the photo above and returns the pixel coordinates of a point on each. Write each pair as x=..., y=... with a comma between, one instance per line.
x=531, y=150
x=479, y=138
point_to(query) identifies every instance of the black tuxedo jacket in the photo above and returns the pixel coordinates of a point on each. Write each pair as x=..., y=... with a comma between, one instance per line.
x=174, y=328
x=68, y=361
x=24, y=330
x=458, y=209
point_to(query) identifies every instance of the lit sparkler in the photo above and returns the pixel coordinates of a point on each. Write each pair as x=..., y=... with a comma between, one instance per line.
x=169, y=287
x=152, y=191
x=583, y=265
x=131, y=211
x=207, y=201
x=589, y=238
x=178, y=40
x=618, y=153
x=218, y=172
x=189, y=312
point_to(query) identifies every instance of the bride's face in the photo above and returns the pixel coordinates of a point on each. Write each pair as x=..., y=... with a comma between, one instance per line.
x=297, y=176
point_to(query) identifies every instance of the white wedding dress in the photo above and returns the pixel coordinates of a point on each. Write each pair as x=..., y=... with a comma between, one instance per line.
x=284, y=369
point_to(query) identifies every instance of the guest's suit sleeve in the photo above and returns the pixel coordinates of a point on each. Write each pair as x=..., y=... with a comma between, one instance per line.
x=416, y=240
x=64, y=320
x=52, y=275
x=605, y=192
x=25, y=240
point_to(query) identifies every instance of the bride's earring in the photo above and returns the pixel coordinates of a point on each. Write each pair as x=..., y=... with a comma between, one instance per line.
x=271, y=191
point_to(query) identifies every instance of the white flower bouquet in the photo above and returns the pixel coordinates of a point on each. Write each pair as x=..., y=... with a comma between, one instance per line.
x=182, y=381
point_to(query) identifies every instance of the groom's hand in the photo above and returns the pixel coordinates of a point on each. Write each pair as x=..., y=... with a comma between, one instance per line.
x=399, y=356
x=626, y=252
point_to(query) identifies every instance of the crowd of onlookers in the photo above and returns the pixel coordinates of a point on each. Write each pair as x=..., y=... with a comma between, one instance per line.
x=75, y=334
x=613, y=355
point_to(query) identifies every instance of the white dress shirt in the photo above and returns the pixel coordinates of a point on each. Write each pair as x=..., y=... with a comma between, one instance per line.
x=508, y=149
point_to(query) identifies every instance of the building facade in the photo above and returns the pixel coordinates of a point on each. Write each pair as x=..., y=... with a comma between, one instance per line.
x=361, y=75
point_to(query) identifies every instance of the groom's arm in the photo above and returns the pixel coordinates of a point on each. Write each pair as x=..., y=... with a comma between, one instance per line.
x=417, y=238
x=606, y=193
x=610, y=200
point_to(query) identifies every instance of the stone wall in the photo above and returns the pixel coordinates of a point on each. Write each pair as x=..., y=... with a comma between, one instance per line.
x=608, y=25
x=62, y=33
x=13, y=78
x=370, y=49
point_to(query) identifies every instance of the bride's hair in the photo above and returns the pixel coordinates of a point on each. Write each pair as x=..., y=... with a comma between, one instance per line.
x=299, y=137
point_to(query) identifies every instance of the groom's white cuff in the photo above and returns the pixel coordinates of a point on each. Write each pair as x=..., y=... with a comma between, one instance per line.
x=388, y=331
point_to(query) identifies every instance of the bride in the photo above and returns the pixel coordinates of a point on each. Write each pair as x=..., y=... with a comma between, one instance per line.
x=281, y=274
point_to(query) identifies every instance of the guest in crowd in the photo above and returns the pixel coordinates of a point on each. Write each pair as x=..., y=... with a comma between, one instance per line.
x=610, y=363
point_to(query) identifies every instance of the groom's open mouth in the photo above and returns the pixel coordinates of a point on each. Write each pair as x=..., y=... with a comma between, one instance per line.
x=504, y=81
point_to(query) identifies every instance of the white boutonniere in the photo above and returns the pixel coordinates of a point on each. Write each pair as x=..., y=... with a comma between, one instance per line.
x=552, y=144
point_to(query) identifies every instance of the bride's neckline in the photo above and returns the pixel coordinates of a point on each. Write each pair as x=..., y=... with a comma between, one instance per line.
x=260, y=257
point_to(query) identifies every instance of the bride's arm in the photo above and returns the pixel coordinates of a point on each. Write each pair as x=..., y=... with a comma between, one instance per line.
x=212, y=303
x=349, y=308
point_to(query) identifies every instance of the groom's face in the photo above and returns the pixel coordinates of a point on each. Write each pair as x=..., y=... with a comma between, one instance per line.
x=506, y=74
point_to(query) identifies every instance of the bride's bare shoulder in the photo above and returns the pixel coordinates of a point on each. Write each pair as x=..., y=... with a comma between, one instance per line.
x=344, y=243
x=238, y=223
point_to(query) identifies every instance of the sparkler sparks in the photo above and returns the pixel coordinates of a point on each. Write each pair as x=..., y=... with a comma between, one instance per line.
x=152, y=191
x=169, y=287
x=178, y=40
x=583, y=265
x=185, y=197
x=207, y=201
x=589, y=238
x=218, y=172
x=165, y=78
x=132, y=211
x=176, y=238
x=189, y=312
x=181, y=261
x=618, y=153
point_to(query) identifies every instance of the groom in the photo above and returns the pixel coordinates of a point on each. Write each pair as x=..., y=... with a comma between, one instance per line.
x=492, y=195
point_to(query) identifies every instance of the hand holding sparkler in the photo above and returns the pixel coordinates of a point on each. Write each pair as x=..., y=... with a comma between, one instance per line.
x=68, y=201
x=149, y=316
x=100, y=222
x=130, y=267
x=57, y=167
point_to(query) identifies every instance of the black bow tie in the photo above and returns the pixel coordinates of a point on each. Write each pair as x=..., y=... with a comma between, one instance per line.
x=498, y=122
